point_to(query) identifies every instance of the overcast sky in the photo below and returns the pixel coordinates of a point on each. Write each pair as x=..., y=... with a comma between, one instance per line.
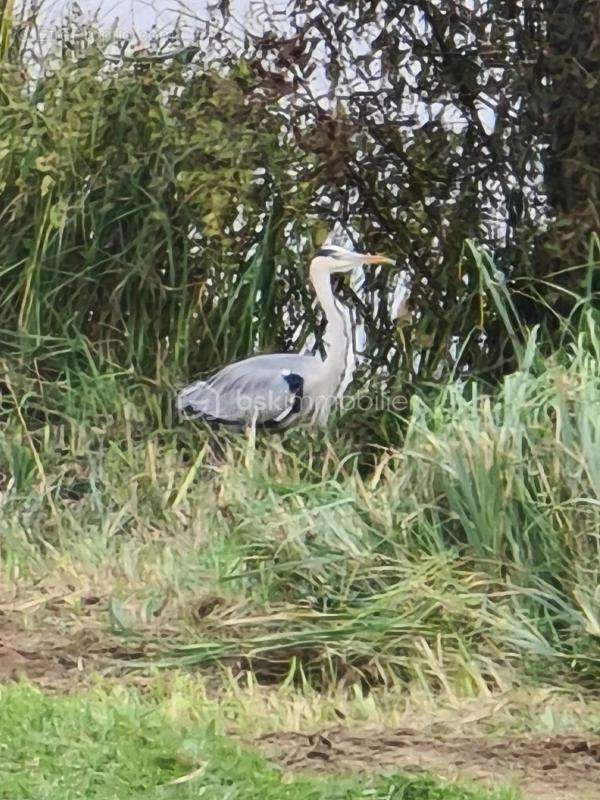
x=139, y=16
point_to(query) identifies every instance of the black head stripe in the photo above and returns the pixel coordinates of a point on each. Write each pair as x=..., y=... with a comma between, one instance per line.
x=328, y=252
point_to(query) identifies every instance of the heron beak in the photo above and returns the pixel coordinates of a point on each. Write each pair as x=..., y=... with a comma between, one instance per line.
x=378, y=259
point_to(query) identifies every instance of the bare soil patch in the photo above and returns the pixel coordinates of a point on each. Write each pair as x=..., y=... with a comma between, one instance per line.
x=51, y=658
x=563, y=767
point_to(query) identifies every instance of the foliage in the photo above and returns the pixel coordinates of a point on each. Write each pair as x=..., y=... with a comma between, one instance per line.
x=465, y=555
x=120, y=192
x=160, y=208
x=158, y=211
x=570, y=119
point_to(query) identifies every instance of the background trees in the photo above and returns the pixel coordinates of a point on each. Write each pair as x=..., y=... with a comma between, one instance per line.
x=161, y=206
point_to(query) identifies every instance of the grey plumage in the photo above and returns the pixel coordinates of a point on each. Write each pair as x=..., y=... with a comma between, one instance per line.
x=264, y=390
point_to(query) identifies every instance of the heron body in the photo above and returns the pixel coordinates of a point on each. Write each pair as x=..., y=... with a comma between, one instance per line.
x=278, y=390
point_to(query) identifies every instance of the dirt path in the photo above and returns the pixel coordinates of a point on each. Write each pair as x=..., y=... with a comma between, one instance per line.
x=55, y=657
x=545, y=768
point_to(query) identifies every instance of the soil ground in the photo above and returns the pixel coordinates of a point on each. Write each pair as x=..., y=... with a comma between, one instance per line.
x=52, y=656
x=543, y=767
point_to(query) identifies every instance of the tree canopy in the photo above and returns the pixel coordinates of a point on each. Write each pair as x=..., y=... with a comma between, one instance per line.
x=161, y=205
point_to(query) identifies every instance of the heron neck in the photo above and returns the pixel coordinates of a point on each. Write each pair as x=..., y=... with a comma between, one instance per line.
x=338, y=332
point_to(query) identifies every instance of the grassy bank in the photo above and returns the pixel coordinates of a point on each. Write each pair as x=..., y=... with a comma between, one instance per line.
x=461, y=561
x=177, y=594
x=447, y=581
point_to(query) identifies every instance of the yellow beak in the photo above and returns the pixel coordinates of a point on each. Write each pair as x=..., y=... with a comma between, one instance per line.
x=378, y=259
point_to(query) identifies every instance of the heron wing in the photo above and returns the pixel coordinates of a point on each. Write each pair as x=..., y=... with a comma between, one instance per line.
x=265, y=390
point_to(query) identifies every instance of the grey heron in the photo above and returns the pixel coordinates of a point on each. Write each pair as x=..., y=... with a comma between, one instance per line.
x=282, y=389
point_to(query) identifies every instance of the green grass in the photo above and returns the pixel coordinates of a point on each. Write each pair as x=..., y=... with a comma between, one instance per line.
x=462, y=561
x=453, y=547
x=119, y=744
x=444, y=560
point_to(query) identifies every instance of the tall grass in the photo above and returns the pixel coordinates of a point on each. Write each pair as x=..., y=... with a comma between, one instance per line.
x=133, y=200
x=146, y=234
x=476, y=540
x=462, y=559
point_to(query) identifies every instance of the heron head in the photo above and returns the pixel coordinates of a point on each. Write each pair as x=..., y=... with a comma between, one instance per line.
x=332, y=259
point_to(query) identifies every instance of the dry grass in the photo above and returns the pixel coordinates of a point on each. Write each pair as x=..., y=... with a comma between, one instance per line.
x=467, y=555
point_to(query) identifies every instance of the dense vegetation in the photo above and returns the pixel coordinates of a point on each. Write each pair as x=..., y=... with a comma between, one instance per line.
x=158, y=212
x=161, y=210
x=470, y=550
